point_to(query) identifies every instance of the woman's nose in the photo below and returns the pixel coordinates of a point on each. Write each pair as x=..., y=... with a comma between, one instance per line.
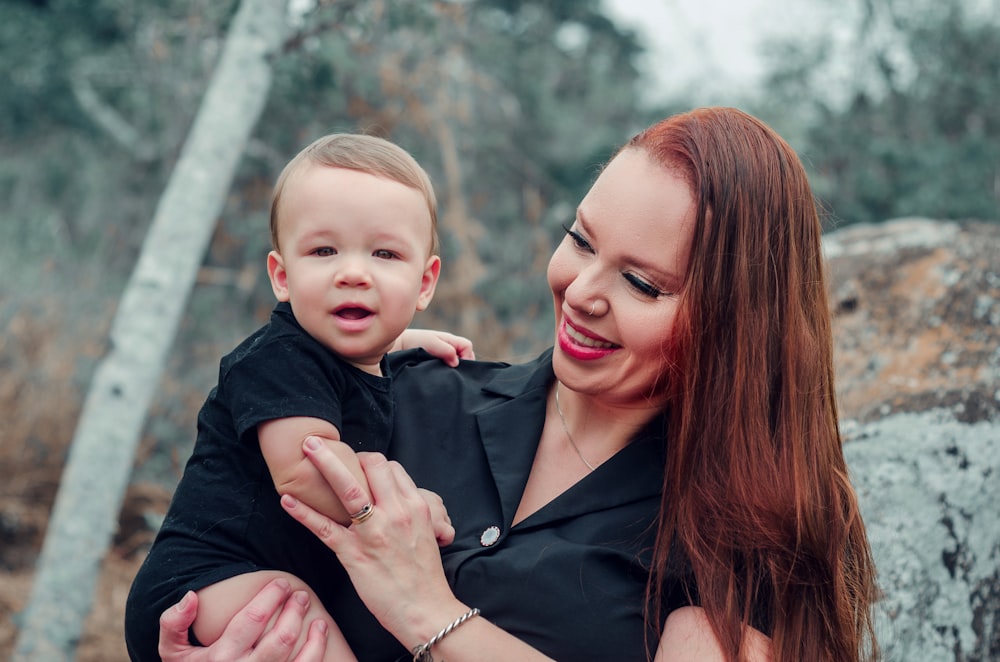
x=587, y=293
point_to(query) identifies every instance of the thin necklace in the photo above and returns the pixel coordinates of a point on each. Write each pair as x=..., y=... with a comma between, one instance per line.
x=566, y=430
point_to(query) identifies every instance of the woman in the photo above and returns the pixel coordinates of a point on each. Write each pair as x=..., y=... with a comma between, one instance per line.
x=688, y=289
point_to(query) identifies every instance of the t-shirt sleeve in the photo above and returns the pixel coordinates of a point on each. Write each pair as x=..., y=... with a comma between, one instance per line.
x=282, y=378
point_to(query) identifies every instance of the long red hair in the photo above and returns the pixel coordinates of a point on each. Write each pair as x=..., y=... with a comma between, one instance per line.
x=756, y=489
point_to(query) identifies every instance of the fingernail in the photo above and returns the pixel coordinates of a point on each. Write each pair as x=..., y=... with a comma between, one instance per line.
x=301, y=598
x=312, y=443
x=322, y=627
x=283, y=584
x=182, y=605
x=289, y=501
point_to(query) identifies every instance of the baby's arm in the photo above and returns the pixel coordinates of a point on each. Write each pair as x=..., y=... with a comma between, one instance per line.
x=446, y=346
x=281, y=443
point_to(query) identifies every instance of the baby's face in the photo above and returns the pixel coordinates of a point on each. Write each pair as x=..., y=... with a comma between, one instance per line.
x=355, y=259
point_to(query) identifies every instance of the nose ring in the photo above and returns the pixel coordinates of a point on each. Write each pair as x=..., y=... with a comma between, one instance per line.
x=593, y=307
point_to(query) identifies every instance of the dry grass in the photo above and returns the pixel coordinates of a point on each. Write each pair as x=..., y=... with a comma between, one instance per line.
x=42, y=353
x=49, y=348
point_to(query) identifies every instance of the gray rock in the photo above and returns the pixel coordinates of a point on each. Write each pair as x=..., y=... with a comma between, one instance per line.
x=916, y=318
x=928, y=486
x=917, y=346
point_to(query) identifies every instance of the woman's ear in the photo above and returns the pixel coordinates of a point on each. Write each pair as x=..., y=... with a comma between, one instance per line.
x=432, y=270
x=278, y=276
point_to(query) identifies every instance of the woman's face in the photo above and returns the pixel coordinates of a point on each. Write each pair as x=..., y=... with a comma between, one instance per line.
x=615, y=280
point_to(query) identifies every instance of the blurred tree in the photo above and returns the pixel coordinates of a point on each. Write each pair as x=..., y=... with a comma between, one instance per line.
x=97, y=98
x=75, y=201
x=511, y=106
x=102, y=453
x=916, y=132
x=559, y=95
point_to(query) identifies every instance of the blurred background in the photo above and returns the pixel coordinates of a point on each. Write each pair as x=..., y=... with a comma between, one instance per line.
x=511, y=105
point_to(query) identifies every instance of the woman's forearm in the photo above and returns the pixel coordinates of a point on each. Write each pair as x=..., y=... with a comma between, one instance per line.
x=474, y=639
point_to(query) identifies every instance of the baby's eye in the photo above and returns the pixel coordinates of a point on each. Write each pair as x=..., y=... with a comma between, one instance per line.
x=643, y=287
x=578, y=239
x=324, y=251
x=384, y=254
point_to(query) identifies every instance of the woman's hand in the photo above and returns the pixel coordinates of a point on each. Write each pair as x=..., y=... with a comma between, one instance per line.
x=392, y=556
x=444, y=532
x=244, y=638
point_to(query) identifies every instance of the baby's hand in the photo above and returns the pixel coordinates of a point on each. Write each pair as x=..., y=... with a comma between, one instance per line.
x=446, y=346
x=443, y=530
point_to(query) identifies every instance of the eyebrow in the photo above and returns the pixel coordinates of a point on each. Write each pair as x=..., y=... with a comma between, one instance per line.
x=316, y=234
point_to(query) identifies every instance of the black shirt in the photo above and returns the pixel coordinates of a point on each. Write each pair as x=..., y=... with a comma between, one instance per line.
x=225, y=518
x=570, y=579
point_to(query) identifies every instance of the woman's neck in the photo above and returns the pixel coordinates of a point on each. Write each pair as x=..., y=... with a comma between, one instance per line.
x=596, y=429
x=567, y=453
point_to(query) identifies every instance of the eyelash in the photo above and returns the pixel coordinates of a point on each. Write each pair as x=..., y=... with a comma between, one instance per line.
x=638, y=284
x=643, y=287
x=578, y=239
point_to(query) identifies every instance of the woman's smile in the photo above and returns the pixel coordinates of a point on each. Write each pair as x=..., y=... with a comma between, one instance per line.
x=581, y=346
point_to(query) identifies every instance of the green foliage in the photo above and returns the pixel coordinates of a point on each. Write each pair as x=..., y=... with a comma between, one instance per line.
x=98, y=96
x=50, y=48
x=918, y=134
x=511, y=107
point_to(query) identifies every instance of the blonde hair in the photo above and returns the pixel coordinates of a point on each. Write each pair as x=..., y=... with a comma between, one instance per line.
x=364, y=153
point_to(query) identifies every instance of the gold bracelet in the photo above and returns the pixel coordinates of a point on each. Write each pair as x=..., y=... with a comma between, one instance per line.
x=422, y=653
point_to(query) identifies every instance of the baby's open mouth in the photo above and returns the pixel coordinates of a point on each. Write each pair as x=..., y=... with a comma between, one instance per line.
x=353, y=313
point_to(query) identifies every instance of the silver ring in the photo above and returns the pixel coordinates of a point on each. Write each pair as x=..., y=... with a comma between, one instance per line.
x=593, y=307
x=364, y=513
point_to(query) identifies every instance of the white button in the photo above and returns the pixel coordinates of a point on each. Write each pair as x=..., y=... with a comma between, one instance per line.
x=490, y=536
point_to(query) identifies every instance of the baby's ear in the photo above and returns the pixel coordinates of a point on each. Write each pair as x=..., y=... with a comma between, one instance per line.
x=277, y=275
x=432, y=270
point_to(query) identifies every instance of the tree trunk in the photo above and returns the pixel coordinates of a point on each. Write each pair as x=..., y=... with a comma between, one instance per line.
x=102, y=453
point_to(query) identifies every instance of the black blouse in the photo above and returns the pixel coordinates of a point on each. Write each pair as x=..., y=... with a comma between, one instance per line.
x=570, y=579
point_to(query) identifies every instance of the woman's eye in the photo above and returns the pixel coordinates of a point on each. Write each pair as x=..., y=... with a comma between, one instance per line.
x=384, y=254
x=642, y=287
x=578, y=239
x=324, y=251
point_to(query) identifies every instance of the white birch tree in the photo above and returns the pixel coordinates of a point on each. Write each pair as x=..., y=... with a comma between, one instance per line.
x=102, y=453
